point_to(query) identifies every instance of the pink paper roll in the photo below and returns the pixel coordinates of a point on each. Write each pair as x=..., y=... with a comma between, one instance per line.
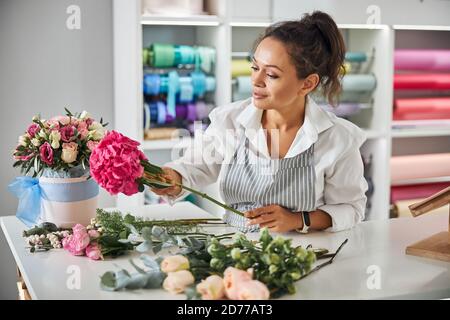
x=434, y=81
x=415, y=191
x=404, y=168
x=422, y=108
x=432, y=60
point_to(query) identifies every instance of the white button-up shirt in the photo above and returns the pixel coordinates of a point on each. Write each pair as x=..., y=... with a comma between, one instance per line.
x=340, y=185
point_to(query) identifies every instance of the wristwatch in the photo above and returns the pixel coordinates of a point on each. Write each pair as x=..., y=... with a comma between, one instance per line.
x=306, y=222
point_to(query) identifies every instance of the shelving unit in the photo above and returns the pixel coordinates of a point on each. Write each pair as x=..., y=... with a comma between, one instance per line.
x=232, y=28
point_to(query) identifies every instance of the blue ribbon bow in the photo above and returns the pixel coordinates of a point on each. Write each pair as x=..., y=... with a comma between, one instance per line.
x=28, y=191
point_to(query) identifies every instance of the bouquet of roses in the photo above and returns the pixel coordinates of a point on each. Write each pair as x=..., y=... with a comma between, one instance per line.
x=60, y=143
x=120, y=167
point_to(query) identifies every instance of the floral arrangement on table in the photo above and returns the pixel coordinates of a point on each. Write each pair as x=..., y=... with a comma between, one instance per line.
x=203, y=265
x=60, y=143
x=51, y=154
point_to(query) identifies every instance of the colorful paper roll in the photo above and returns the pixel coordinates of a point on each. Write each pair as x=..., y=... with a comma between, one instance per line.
x=155, y=84
x=421, y=108
x=191, y=112
x=431, y=60
x=404, y=168
x=359, y=82
x=240, y=67
x=355, y=56
x=147, y=116
x=434, y=81
x=416, y=191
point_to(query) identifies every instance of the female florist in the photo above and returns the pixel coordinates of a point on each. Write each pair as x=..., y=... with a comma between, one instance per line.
x=64, y=161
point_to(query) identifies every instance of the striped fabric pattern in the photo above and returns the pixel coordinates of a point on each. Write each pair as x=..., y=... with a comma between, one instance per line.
x=251, y=181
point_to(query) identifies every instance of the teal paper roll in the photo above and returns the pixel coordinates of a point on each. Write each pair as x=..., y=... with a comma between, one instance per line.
x=359, y=82
x=355, y=56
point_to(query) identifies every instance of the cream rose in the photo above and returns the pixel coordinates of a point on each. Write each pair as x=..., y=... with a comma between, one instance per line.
x=211, y=288
x=232, y=279
x=253, y=290
x=176, y=282
x=174, y=263
x=55, y=137
x=69, y=152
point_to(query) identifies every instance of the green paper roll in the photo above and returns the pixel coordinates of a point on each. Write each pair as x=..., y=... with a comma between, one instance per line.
x=355, y=56
x=162, y=55
x=359, y=82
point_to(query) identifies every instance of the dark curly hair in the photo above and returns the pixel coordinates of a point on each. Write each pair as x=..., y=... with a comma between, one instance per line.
x=315, y=45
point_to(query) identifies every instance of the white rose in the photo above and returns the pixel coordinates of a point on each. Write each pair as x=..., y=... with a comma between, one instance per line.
x=23, y=140
x=42, y=134
x=174, y=263
x=211, y=288
x=55, y=137
x=85, y=115
x=176, y=282
x=69, y=152
x=95, y=125
x=96, y=134
x=35, y=142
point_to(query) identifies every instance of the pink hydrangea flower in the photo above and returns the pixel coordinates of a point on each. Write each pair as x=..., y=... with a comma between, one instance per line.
x=77, y=242
x=46, y=153
x=116, y=164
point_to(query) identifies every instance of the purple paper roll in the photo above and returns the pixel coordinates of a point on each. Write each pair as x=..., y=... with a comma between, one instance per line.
x=432, y=60
x=191, y=112
x=343, y=109
x=202, y=110
x=181, y=111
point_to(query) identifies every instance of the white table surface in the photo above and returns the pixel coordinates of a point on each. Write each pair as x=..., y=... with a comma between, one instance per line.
x=379, y=243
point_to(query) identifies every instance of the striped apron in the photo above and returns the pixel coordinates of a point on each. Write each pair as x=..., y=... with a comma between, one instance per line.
x=251, y=181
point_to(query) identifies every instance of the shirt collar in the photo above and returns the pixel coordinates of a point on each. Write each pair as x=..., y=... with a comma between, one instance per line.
x=316, y=121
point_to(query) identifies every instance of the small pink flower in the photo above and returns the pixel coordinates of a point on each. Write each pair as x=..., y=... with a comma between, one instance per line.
x=94, y=252
x=92, y=144
x=33, y=129
x=64, y=120
x=83, y=130
x=94, y=234
x=89, y=121
x=116, y=164
x=67, y=133
x=23, y=158
x=46, y=153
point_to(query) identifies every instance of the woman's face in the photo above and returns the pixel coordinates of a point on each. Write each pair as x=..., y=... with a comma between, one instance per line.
x=274, y=78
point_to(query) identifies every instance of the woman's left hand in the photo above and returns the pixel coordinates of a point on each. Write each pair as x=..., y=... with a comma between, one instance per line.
x=274, y=217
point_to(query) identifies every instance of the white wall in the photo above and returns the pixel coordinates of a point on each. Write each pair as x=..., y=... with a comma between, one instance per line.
x=45, y=67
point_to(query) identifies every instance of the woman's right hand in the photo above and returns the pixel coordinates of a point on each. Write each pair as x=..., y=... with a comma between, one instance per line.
x=172, y=177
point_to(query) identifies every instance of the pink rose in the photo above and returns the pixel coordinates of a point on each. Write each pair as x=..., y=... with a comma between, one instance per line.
x=46, y=153
x=64, y=120
x=92, y=144
x=23, y=158
x=116, y=164
x=83, y=130
x=67, y=133
x=253, y=290
x=232, y=278
x=33, y=129
x=89, y=121
x=94, y=234
x=94, y=252
x=176, y=282
x=211, y=288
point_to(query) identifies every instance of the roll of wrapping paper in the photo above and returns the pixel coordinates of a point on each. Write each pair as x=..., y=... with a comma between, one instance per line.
x=181, y=111
x=430, y=60
x=240, y=67
x=355, y=56
x=404, y=168
x=192, y=127
x=191, y=112
x=152, y=84
x=186, y=90
x=147, y=116
x=343, y=109
x=421, y=108
x=161, y=133
x=244, y=85
x=145, y=57
x=155, y=84
x=359, y=82
x=416, y=191
x=428, y=81
x=169, y=55
x=202, y=110
x=403, y=208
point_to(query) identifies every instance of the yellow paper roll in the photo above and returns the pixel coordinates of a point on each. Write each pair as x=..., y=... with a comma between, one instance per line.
x=240, y=67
